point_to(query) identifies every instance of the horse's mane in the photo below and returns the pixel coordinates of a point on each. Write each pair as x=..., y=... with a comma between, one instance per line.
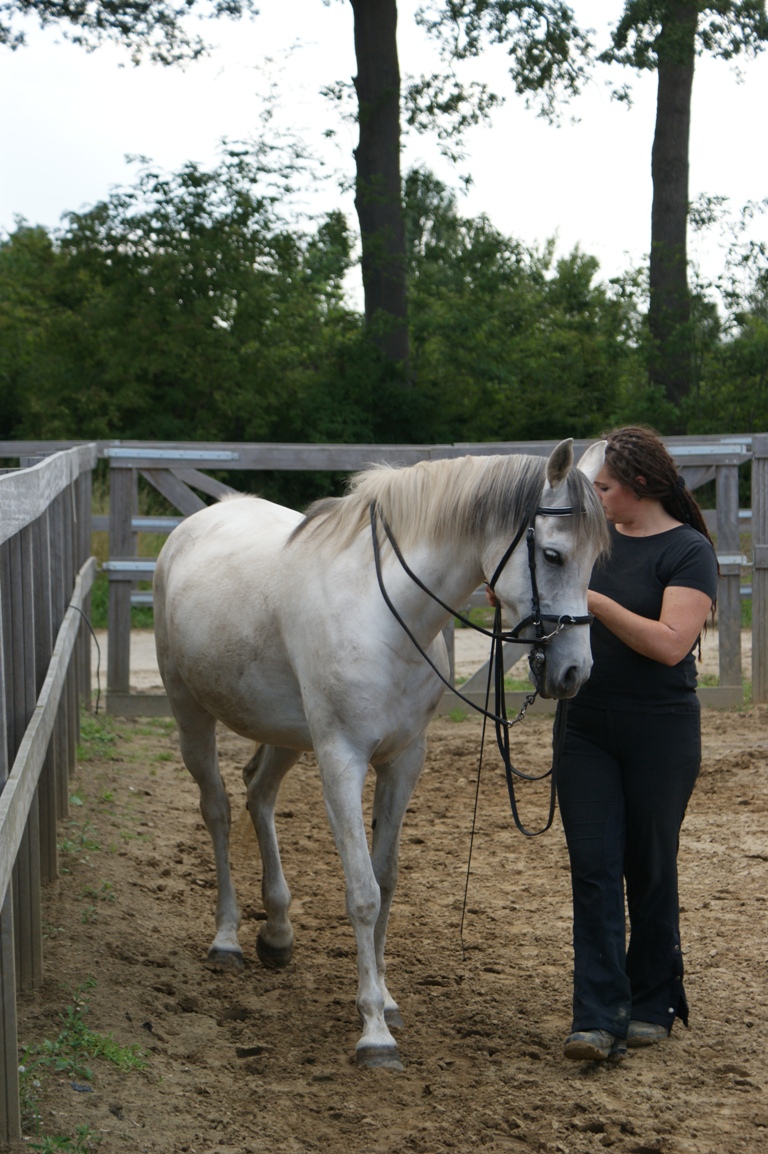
x=447, y=500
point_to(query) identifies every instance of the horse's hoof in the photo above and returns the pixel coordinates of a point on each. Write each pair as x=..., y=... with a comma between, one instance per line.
x=273, y=957
x=379, y=1057
x=225, y=961
x=393, y=1018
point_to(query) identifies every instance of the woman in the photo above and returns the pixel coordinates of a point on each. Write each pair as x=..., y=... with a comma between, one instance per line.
x=632, y=751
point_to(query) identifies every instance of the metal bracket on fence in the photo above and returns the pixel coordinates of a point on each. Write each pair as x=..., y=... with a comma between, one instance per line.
x=731, y=564
x=140, y=569
x=172, y=454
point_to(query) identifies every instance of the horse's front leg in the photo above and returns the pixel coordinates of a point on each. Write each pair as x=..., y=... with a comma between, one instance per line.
x=343, y=773
x=263, y=775
x=395, y=783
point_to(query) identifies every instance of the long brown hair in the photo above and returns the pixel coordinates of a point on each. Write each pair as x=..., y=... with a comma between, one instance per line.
x=637, y=457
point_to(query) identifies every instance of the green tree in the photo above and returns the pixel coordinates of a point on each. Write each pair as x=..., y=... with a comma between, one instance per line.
x=158, y=29
x=666, y=36
x=182, y=308
x=544, y=46
x=509, y=343
x=731, y=387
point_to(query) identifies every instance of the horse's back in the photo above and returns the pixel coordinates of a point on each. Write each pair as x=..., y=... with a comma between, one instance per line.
x=218, y=598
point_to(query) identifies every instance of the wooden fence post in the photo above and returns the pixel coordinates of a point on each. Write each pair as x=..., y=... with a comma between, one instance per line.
x=84, y=497
x=60, y=740
x=44, y=641
x=729, y=591
x=10, y=1108
x=122, y=488
x=760, y=568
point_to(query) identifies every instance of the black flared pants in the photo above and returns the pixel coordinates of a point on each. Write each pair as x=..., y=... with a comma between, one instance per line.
x=624, y=780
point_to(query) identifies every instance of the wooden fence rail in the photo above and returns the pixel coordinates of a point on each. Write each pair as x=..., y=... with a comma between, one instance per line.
x=45, y=578
x=176, y=471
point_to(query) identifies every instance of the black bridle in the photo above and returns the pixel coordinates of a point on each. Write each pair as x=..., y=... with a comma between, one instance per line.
x=498, y=636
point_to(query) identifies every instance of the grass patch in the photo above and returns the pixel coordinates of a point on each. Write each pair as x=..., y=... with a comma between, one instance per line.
x=79, y=839
x=97, y=737
x=511, y=684
x=70, y=1054
x=142, y=616
x=82, y=1142
x=478, y=615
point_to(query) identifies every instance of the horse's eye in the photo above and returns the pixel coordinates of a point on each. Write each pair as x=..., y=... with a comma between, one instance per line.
x=553, y=557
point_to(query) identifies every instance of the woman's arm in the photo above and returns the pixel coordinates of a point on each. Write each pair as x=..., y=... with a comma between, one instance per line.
x=668, y=640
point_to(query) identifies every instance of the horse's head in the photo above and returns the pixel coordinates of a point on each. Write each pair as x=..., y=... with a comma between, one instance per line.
x=543, y=585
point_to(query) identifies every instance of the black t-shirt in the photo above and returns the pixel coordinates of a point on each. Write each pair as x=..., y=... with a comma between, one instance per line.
x=635, y=574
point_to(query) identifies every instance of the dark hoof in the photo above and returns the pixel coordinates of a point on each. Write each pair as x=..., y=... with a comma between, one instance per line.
x=393, y=1019
x=379, y=1057
x=274, y=958
x=225, y=961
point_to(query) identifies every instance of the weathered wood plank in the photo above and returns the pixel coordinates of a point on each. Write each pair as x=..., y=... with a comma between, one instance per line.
x=25, y=495
x=729, y=591
x=29, y=937
x=515, y=700
x=711, y=697
x=10, y=1107
x=478, y=682
x=173, y=489
x=84, y=502
x=10, y=1112
x=44, y=639
x=138, y=705
x=122, y=488
x=19, y=789
x=760, y=569
x=60, y=742
x=204, y=483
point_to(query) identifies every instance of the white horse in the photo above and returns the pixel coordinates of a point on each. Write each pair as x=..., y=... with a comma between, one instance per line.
x=274, y=624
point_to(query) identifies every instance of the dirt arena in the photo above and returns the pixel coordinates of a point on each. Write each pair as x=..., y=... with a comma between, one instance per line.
x=263, y=1061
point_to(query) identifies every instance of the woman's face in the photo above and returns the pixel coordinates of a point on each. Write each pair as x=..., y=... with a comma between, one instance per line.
x=619, y=503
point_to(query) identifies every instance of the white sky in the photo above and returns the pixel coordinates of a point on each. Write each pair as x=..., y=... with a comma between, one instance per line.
x=70, y=118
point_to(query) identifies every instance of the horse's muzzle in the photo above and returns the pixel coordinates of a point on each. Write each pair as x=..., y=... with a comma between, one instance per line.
x=567, y=685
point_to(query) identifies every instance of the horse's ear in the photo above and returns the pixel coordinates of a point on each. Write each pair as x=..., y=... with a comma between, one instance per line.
x=593, y=459
x=560, y=462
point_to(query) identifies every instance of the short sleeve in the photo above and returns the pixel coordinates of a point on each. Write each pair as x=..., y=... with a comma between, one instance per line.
x=693, y=566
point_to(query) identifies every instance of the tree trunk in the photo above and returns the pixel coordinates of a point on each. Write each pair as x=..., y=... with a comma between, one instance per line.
x=670, y=303
x=378, y=196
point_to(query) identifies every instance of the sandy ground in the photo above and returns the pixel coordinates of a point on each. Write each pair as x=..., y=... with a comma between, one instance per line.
x=262, y=1062
x=471, y=651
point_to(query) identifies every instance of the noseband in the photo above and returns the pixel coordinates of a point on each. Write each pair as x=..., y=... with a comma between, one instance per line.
x=498, y=636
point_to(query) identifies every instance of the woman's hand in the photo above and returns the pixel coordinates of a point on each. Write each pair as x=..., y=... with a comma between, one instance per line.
x=668, y=640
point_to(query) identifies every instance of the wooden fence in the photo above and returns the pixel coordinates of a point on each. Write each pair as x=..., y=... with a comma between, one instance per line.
x=177, y=471
x=45, y=577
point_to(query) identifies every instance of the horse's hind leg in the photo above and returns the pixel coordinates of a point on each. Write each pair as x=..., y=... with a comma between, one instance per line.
x=197, y=738
x=263, y=775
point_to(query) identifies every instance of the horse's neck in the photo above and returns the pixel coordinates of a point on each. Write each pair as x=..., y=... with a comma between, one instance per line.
x=450, y=572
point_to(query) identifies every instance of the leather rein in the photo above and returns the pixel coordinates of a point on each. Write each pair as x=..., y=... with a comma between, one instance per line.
x=498, y=636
